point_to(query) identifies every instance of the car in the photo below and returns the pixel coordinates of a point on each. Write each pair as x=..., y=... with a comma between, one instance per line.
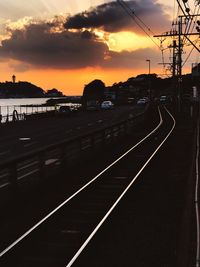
x=146, y=98
x=107, y=105
x=64, y=111
x=163, y=98
x=142, y=101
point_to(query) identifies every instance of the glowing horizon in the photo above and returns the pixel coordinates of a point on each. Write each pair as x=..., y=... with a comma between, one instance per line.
x=110, y=52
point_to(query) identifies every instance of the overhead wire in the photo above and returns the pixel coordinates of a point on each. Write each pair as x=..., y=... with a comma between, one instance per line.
x=146, y=29
x=189, y=54
x=196, y=18
x=181, y=8
x=193, y=19
x=189, y=20
x=141, y=25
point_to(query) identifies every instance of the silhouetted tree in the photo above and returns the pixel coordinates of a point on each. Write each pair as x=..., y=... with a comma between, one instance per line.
x=93, y=91
x=54, y=92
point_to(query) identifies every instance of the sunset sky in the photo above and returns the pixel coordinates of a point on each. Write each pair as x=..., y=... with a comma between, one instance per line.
x=65, y=44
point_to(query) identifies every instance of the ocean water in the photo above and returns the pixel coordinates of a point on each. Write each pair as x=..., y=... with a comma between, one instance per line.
x=22, y=101
x=17, y=107
x=7, y=106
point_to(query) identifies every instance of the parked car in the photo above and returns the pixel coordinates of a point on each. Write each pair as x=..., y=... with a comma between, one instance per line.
x=64, y=111
x=107, y=105
x=165, y=99
x=142, y=101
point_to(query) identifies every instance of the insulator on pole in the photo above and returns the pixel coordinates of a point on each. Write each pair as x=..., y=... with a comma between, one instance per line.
x=197, y=28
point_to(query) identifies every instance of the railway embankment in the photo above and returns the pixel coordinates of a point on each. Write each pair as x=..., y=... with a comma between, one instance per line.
x=152, y=226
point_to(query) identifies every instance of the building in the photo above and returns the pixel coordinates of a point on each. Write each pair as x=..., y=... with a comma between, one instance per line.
x=196, y=69
x=13, y=78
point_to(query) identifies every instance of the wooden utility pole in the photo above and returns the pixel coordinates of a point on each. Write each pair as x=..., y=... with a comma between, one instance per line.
x=178, y=50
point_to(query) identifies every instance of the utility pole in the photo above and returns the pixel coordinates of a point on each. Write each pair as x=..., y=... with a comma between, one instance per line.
x=148, y=60
x=178, y=50
x=174, y=46
x=149, y=81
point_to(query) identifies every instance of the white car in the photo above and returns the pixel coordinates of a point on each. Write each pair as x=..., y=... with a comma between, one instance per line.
x=107, y=105
x=142, y=101
x=163, y=99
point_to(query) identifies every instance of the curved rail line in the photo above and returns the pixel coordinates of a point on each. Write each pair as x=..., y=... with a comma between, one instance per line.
x=92, y=233
x=82, y=188
x=121, y=196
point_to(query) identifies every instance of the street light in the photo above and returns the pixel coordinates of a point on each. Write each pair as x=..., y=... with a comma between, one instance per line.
x=148, y=60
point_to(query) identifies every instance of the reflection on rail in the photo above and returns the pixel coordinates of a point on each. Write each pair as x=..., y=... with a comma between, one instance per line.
x=119, y=184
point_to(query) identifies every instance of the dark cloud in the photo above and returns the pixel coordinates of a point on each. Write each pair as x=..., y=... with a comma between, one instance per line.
x=39, y=45
x=112, y=18
x=86, y=35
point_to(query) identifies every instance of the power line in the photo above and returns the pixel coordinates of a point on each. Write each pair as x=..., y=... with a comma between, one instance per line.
x=180, y=6
x=188, y=57
x=132, y=14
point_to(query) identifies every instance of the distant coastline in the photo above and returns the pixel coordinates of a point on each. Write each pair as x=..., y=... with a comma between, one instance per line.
x=26, y=90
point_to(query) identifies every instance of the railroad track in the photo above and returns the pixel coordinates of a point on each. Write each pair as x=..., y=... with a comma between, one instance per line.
x=61, y=237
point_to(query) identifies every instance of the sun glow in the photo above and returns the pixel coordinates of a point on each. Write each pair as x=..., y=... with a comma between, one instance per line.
x=120, y=41
x=128, y=41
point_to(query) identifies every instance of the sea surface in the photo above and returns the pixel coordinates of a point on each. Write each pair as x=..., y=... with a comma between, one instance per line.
x=7, y=106
x=22, y=101
x=16, y=107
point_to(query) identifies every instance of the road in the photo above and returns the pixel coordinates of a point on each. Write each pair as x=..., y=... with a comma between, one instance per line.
x=21, y=137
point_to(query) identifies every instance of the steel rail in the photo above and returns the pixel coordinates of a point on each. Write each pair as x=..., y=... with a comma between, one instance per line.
x=81, y=189
x=197, y=199
x=75, y=257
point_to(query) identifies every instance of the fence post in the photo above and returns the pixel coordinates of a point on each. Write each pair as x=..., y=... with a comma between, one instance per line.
x=8, y=112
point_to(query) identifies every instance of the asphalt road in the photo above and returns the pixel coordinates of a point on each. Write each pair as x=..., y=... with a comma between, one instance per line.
x=21, y=137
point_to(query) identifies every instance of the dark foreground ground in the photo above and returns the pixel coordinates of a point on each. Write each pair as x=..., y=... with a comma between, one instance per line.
x=152, y=226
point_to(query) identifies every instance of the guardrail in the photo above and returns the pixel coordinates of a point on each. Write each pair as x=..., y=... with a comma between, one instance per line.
x=35, y=166
x=22, y=112
x=19, y=112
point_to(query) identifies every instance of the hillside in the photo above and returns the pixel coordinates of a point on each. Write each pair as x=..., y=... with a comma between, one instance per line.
x=20, y=89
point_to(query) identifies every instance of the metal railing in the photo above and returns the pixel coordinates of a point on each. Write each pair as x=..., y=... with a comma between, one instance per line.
x=20, y=112
x=35, y=166
x=15, y=112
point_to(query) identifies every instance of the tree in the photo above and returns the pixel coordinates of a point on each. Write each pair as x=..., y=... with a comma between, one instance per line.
x=93, y=91
x=54, y=92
